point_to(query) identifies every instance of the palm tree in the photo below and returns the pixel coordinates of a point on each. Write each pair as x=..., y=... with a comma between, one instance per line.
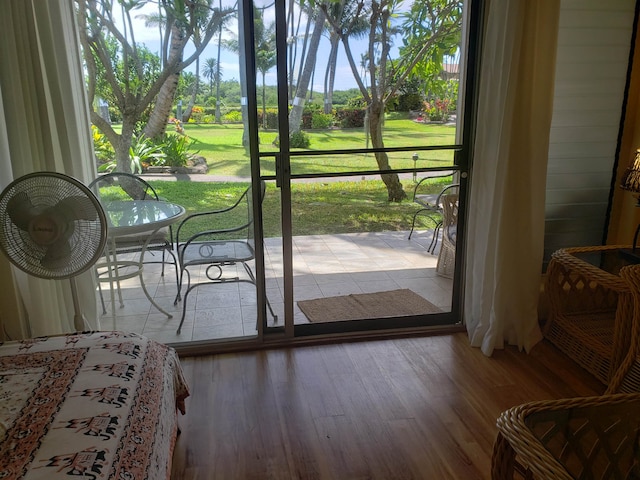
x=295, y=116
x=344, y=15
x=265, y=40
x=194, y=21
x=441, y=24
x=210, y=72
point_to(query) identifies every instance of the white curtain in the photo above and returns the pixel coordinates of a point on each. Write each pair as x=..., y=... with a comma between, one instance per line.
x=44, y=126
x=506, y=207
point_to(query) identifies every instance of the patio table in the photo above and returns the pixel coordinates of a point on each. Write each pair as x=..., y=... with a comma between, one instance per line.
x=129, y=217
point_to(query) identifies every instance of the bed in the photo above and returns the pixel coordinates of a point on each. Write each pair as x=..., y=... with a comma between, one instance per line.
x=100, y=405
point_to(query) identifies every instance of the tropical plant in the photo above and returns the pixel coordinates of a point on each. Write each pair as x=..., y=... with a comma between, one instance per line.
x=114, y=61
x=176, y=149
x=143, y=151
x=101, y=146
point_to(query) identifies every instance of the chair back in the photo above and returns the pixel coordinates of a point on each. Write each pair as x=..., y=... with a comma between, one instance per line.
x=122, y=186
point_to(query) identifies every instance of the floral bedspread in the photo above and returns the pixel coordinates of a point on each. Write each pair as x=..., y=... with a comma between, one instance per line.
x=101, y=406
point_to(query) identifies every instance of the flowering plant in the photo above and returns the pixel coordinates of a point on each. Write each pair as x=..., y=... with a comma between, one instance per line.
x=437, y=110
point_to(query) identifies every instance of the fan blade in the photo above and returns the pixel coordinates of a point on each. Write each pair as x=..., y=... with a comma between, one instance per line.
x=76, y=208
x=21, y=211
x=57, y=255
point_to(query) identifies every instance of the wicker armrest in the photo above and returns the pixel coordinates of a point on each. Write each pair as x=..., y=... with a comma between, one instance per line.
x=574, y=285
x=582, y=437
x=591, y=309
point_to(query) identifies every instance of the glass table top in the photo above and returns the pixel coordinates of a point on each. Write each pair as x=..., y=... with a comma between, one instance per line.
x=141, y=215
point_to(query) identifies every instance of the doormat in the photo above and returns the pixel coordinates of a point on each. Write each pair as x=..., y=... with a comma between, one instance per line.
x=361, y=306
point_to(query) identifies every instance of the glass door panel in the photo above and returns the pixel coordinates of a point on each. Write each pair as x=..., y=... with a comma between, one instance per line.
x=350, y=163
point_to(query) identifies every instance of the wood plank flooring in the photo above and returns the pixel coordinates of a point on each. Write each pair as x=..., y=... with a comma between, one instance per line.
x=410, y=408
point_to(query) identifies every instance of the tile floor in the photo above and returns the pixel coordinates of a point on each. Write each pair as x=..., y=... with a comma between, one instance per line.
x=324, y=265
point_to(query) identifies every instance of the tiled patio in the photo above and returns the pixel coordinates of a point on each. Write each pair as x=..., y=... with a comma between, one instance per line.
x=324, y=265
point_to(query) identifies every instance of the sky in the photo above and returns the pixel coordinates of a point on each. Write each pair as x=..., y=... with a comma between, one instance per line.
x=229, y=60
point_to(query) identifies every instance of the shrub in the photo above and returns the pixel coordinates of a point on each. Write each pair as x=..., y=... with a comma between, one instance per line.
x=350, y=117
x=143, y=151
x=197, y=113
x=437, y=110
x=272, y=118
x=299, y=139
x=101, y=146
x=409, y=101
x=233, y=116
x=322, y=120
x=175, y=149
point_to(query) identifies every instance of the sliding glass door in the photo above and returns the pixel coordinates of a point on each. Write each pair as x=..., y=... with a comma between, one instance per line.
x=364, y=136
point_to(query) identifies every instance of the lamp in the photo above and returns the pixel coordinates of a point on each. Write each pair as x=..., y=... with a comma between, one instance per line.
x=631, y=182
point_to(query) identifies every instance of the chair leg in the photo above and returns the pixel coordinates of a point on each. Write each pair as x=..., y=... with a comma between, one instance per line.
x=253, y=280
x=184, y=306
x=413, y=222
x=104, y=308
x=434, y=239
x=182, y=272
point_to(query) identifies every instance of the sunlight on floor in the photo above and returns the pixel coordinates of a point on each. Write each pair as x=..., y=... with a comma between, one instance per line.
x=324, y=265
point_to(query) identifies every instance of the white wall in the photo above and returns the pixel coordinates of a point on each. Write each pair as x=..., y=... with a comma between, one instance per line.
x=593, y=56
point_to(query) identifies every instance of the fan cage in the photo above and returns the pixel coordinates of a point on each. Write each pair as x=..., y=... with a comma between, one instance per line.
x=46, y=190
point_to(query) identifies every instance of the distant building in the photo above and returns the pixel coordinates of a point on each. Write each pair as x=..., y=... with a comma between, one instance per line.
x=450, y=71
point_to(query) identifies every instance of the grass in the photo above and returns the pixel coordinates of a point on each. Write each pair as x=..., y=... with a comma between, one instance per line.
x=221, y=145
x=317, y=208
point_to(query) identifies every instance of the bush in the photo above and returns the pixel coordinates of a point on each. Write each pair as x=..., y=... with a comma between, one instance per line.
x=101, y=146
x=175, y=149
x=350, y=117
x=299, y=139
x=197, y=113
x=233, y=116
x=409, y=101
x=143, y=151
x=322, y=121
x=272, y=118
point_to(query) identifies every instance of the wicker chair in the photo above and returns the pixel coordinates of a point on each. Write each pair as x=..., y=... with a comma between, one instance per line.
x=586, y=437
x=591, y=308
x=447, y=256
x=626, y=378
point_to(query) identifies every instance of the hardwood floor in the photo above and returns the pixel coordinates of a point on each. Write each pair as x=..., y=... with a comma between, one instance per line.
x=410, y=408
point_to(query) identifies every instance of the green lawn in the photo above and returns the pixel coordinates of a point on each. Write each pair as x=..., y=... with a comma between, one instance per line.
x=221, y=145
x=317, y=208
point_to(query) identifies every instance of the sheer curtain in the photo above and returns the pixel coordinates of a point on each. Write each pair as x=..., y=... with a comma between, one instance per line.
x=506, y=207
x=44, y=126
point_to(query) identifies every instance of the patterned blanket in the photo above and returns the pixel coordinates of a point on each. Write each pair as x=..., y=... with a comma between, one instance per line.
x=101, y=406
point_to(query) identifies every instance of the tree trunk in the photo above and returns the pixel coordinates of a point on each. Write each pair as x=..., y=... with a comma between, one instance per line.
x=218, y=69
x=330, y=74
x=264, y=103
x=157, y=124
x=122, y=145
x=244, y=107
x=391, y=180
x=295, y=117
x=194, y=94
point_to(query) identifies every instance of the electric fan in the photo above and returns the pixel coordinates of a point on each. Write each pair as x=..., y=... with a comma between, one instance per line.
x=52, y=227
